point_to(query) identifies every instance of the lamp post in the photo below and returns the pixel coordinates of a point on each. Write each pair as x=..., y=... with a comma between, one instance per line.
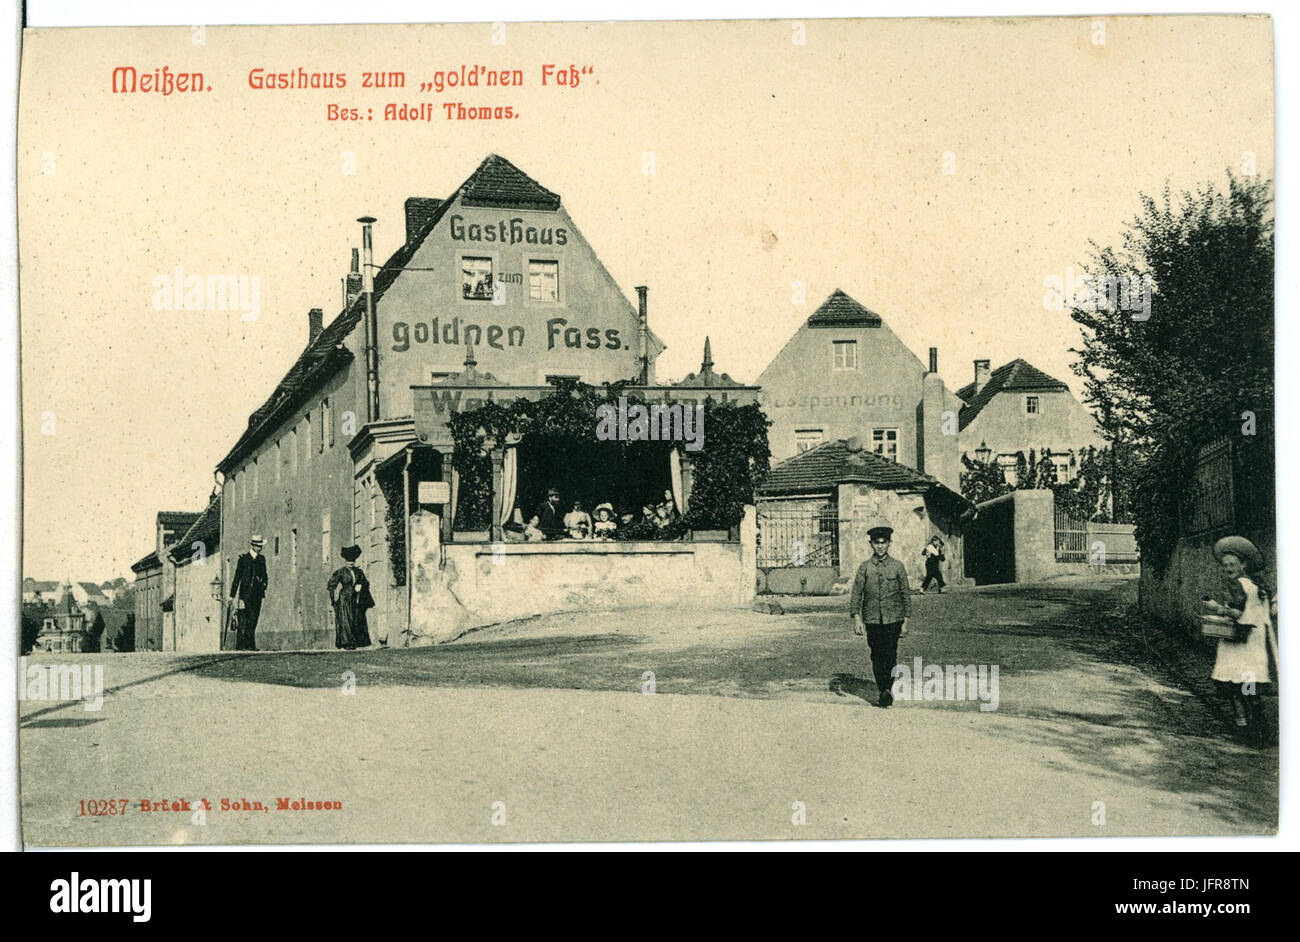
x=216, y=587
x=983, y=453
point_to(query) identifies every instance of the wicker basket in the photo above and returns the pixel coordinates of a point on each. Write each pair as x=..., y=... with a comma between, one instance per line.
x=1218, y=626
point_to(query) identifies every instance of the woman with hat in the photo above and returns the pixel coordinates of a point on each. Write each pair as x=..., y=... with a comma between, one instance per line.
x=1242, y=664
x=350, y=594
x=604, y=526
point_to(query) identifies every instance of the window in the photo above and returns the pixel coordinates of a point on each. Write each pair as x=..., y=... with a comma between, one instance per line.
x=476, y=279
x=1031, y=405
x=232, y=488
x=255, y=477
x=293, y=550
x=243, y=485
x=307, y=435
x=328, y=420
x=276, y=545
x=323, y=419
x=805, y=438
x=846, y=354
x=553, y=378
x=279, y=456
x=543, y=280
x=1062, y=472
x=293, y=451
x=325, y=537
x=884, y=441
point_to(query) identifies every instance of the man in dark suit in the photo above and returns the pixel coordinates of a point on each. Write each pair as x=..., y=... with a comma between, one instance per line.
x=247, y=590
x=549, y=519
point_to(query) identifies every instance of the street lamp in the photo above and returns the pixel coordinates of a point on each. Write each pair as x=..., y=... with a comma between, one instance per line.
x=983, y=453
x=216, y=587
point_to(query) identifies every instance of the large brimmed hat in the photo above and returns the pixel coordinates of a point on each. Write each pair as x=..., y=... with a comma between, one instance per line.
x=605, y=506
x=1240, y=547
x=880, y=528
x=256, y=540
x=350, y=553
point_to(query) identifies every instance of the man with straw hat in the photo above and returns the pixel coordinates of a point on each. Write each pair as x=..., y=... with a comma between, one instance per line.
x=247, y=590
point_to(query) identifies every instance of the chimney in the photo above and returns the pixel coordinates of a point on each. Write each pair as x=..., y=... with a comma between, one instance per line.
x=934, y=359
x=372, y=339
x=352, y=282
x=981, y=374
x=315, y=323
x=642, y=336
x=853, y=444
x=419, y=210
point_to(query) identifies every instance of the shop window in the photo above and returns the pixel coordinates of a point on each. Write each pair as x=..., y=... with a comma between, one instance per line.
x=884, y=441
x=543, y=280
x=805, y=438
x=476, y=278
x=845, y=354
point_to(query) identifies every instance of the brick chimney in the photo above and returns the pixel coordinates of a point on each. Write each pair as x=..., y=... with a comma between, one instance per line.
x=352, y=282
x=419, y=210
x=315, y=323
x=981, y=374
x=934, y=359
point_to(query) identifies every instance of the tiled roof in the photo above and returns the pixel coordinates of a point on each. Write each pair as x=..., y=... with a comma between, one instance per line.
x=833, y=462
x=148, y=562
x=177, y=518
x=91, y=589
x=496, y=183
x=206, y=530
x=840, y=310
x=1016, y=376
x=499, y=184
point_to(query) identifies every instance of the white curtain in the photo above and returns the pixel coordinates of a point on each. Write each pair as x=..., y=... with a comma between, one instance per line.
x=675, y=470
x=455, y=488
x=509, y=482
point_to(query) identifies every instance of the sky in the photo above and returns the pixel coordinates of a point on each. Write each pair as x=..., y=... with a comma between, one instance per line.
x=938, y=171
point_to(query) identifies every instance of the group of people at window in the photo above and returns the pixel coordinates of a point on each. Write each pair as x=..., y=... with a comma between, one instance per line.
x=550, y=521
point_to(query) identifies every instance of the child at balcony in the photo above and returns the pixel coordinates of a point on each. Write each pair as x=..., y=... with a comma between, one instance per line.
x=1245, y=663
x=578, y=522
x=604, y=528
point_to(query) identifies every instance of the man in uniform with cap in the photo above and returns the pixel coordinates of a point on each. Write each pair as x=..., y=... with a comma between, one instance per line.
x=247, y=590
x=880, y=604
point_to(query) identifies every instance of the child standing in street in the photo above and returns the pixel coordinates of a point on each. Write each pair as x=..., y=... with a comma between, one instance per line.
x=1242, y=663
x=933, y=554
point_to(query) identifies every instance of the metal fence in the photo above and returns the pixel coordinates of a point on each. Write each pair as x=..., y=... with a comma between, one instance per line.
x=1071, y=538
x=1079, y=541
x=1208, y=498
x=798, y=536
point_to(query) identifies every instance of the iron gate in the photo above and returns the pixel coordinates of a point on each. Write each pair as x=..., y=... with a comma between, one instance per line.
x=803, y=536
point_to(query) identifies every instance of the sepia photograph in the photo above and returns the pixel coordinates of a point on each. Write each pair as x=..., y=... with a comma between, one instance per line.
x=647, y=431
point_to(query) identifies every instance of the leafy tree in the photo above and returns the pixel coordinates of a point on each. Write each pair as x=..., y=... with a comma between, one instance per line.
x=982, y=480
x=33, y=616
x=1168, y=376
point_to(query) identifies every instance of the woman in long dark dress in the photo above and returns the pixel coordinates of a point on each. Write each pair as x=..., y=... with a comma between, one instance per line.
x=350, y=593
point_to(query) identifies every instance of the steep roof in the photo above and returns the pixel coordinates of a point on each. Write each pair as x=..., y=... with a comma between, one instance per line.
x=840, y=310
x=835, y=462
x=496, y=183
x=92, y=590
x=1016, y=376
x=148, y=562
x=177, y=518
x=206, y=530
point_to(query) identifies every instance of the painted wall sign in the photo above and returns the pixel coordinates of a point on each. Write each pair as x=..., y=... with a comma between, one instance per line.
x=453, y=332
x=507, y=232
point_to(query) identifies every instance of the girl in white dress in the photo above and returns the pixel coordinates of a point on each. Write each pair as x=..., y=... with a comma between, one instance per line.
x=1242, y=663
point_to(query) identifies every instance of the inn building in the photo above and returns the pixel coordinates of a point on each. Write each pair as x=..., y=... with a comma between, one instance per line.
x=493, y=295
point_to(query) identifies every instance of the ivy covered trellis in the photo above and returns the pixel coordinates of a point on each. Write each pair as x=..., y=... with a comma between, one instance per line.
x=556, y=435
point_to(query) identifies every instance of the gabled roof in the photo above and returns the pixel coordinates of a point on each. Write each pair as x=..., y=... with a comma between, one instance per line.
x=835, y=462
x=146, y=563
x=1016, y=376
x=206, y=530
x=499, y=184
x=495, y=183
x=840, y=310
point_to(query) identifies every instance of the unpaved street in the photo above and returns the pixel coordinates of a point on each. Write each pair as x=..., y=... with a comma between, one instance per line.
x=759, y=726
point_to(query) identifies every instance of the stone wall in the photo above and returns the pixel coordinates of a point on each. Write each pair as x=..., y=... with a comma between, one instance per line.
x=459, y=586
x=1174, y=593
